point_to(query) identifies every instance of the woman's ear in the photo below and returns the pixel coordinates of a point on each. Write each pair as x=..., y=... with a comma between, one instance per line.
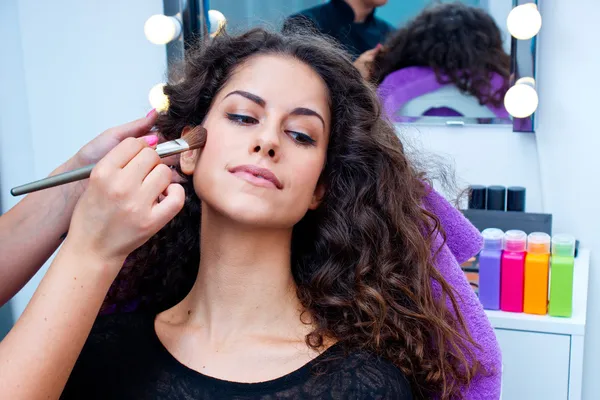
x=187, y=160
x=317, y=197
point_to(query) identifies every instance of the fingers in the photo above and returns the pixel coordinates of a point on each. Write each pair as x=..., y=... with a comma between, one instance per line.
x=369, y=55
x=157, y=181
x=171, y=160
x=168, y=208
x=135, y=128
x=140, y=166
x=122, y=154
x=362, y=63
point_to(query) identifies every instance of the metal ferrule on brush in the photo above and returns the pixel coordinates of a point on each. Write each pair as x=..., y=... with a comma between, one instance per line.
x=172, y=147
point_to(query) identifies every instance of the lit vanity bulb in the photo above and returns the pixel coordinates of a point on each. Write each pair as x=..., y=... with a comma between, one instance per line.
x=521, y=100
x=524, y=21
x=160, y=29
x=217, y=22
x=158, y=100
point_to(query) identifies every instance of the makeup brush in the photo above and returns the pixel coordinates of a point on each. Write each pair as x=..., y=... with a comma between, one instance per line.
x=194, y=139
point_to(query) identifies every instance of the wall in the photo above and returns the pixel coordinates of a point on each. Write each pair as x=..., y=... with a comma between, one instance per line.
x=568, y=143
x=15, y=133
x=69, y=70
x=482, y=154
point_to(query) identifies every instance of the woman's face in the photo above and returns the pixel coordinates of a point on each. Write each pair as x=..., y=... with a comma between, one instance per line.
x=268, y=131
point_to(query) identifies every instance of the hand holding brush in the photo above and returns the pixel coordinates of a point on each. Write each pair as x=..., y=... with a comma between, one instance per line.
x=195, y=138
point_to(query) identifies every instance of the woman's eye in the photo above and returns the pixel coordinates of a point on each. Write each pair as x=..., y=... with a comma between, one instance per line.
x=241, y=119
x=302, y=138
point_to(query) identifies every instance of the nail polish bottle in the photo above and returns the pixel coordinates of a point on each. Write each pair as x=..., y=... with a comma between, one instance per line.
x=512, y=267
x=562, y=264
x=535, y=297
x=490, y=259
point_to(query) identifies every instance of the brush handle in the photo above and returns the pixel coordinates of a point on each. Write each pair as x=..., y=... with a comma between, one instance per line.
x=60, y=179
x=165, y=149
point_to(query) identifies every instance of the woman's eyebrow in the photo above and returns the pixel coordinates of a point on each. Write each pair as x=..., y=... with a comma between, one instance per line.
x=307, y=112
x=261, y=102
x=252, y=97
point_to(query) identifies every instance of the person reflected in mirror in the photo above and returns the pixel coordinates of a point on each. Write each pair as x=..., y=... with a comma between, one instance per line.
x=447, y=47
x=352, y=23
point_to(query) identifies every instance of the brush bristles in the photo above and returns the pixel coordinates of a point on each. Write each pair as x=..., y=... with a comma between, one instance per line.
x=196, y=137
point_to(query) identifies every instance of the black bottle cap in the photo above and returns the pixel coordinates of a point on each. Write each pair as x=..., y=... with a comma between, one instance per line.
x=515, y=198
x=496, y=198
x=477, y=197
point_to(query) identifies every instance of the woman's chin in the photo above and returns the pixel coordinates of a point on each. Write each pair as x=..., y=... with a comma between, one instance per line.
x=260, y=216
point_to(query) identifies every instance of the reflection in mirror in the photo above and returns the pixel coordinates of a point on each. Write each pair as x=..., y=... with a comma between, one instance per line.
x=448, y=62
x=434, y=62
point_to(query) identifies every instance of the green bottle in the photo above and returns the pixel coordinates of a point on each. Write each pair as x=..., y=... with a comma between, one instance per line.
x=561, y=276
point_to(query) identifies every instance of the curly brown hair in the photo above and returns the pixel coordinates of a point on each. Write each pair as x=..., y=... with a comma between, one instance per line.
x=363, y=261
x=462, y=44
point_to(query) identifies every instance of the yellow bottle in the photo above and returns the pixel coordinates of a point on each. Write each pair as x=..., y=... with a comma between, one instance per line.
x=537, y=260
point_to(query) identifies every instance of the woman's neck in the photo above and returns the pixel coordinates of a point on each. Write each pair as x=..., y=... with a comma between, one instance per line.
x=245, y=285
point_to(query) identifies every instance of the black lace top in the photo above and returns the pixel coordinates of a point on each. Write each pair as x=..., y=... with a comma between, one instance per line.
x=124, y=359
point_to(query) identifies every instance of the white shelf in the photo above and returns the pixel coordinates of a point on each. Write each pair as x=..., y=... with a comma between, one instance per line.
x=545, y=323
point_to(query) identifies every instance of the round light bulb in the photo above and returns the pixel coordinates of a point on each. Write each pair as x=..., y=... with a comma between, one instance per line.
x=527, y=80
x=160, y=29
x=217, y=22
x=524, y=21
x=158, y=99
x=521, y=100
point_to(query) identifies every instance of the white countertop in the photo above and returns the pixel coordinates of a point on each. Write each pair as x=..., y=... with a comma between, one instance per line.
x=545, y=323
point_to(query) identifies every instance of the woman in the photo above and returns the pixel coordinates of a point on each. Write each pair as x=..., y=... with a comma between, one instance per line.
x=446, y=44
x=307, y=274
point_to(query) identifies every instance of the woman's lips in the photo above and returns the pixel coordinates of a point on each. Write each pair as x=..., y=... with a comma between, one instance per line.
x=257, y=176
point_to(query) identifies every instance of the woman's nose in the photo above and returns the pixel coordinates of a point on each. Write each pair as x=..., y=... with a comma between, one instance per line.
x=267, y=143
x=265, y=149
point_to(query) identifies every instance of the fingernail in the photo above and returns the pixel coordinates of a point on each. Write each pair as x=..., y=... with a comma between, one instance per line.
x=152, y=140
x=379, y=45
x=152, y=112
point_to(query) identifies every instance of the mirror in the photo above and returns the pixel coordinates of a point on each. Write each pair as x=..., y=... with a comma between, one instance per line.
x=438, y=62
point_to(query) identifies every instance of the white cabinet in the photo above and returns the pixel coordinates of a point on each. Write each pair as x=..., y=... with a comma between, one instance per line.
x=534, y=365
x=542, y=356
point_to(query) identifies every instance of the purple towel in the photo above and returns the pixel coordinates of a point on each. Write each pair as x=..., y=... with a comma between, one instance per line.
x=463, y=242
x=401, y=86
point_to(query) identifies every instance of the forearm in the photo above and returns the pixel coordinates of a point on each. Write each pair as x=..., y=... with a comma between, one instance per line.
x=31, y=231
x=38, y=354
